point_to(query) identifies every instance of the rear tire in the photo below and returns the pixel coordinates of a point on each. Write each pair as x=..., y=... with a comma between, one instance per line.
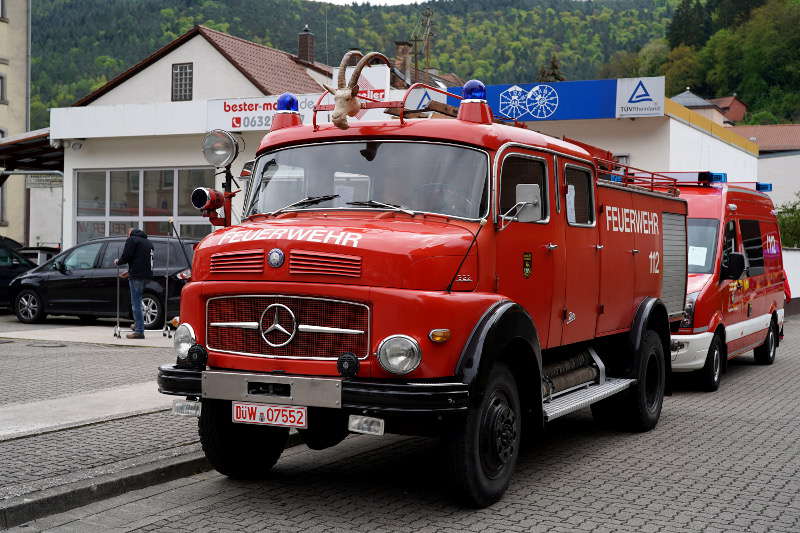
x=765, y=354
x=29, y=307
x=239, y=451
x=711, y=372
x=152, y=311
x=639, y=407
x=483, y=449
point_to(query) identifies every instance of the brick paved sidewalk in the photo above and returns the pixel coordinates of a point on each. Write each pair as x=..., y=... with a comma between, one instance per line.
x=44, y=461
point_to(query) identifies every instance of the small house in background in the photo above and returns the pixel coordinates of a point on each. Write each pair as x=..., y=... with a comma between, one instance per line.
x=778, y=157
x=733, y=108
x=706, y=108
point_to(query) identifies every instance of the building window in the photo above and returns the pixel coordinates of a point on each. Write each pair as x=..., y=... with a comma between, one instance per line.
x=109, y=202
x=3, y=88
x=182, y=82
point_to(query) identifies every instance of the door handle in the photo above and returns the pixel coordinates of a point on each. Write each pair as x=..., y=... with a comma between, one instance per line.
x=599, y=246
x=551, y=246
x=634, y=251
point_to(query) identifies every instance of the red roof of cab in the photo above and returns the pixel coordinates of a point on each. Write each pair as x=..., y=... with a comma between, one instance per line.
x=711, y=201
x=490, y=136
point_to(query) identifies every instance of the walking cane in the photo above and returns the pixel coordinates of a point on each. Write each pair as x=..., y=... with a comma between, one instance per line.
x=117, y=333
x=166, y=332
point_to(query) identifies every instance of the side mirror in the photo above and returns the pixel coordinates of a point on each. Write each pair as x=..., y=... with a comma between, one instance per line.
x=529, y=197
x=735, y=267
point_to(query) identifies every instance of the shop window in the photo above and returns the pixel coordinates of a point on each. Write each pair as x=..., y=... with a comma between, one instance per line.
x=182, y=74
x=753, y=246
x=92, y=193
x=124, y=193
x=88, y=230
x=522, y=170
x=580, y=204
x=189, y=180
x=120, y=228
x=156, y=228
x=159, y=192
x=195, y=231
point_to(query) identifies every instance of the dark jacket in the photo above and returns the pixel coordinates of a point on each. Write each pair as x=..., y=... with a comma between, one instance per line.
x=138, y=255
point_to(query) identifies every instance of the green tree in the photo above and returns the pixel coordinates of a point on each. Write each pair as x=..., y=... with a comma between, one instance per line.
x=691, y=25
x=652, y=57
x=551, y=71
x=789, y=222
x=682, y=69
x=623, y=64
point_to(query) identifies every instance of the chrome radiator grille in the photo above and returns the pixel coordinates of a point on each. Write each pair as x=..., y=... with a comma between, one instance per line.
x=287, y=326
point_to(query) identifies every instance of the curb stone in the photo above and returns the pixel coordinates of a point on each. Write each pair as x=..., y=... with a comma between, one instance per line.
x=22, y=509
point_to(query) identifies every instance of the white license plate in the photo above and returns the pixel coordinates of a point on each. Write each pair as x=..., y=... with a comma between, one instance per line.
x=289, y=416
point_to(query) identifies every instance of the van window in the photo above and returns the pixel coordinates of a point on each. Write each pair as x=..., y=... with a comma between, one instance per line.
x=580, y=208
x=753, y=246
x=702, y=239
x=517, y=170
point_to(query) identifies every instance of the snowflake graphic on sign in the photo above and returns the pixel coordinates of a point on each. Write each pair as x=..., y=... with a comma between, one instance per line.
x=512, y=102
x=542, y=101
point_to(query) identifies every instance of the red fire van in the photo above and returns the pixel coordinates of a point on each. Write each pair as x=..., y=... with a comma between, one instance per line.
x=736, y=282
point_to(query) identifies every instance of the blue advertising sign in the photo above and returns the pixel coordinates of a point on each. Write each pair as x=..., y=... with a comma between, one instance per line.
x=573, y=100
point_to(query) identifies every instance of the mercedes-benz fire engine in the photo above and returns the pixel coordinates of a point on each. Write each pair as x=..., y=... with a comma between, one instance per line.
x=457, y=278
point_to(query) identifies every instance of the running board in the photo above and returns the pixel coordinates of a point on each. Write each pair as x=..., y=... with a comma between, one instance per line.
x=569, y=403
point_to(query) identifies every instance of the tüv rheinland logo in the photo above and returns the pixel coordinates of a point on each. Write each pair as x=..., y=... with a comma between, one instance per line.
x=540, y=102
x=640, y=97
x=640, y=94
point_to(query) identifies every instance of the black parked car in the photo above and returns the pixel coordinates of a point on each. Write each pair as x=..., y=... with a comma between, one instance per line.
x=82, y=281
x=12, y=264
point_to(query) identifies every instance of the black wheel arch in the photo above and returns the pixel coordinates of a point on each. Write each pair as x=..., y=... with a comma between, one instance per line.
x=652, y=314
x=506, y=333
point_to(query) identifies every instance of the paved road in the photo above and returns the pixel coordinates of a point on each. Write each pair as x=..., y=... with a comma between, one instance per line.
x=727, y=461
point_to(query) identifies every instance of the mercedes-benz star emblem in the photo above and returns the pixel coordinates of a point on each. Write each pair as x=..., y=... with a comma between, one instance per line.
x=275, y=257
x=278, y=323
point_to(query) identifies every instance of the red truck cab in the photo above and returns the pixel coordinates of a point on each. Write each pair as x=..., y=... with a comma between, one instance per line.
x=457, y=278
x=736, y=281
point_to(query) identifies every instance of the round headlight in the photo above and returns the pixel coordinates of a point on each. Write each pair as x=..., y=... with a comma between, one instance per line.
x=183, y=340
x=399, y=354
x=220, y=148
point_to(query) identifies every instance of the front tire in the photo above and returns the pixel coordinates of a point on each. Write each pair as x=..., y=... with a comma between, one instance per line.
x=483, y=449
x=712, y=370
x=152, y=311
x=239, y=451
x=765, y=354
x=29, y=307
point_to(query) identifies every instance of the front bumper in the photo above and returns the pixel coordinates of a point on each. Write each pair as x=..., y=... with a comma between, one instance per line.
x=691, y=351
x=356, y=395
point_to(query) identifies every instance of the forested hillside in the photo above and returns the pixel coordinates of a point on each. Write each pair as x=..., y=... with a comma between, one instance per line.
x=79, y=44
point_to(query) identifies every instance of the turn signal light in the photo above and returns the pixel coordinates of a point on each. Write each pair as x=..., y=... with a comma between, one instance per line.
x=439, y=335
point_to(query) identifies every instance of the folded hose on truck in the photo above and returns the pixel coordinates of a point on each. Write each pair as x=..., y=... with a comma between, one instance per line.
x=569, y=372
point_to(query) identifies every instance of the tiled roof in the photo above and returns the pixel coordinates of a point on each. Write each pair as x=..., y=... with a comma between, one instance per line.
x=272, y=71
x=772, y=138
x=688, y=99
x=724, y=102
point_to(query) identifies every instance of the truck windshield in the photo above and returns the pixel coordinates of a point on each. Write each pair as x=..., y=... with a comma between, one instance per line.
x=413, y=176
x=702, y=239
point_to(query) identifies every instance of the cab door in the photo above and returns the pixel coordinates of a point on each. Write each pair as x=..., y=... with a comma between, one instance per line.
x=581, y=260
x=732, y=291
x=528, y=248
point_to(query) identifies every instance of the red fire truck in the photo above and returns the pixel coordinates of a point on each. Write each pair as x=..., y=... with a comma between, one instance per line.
x=458, y=278
x=736, y=286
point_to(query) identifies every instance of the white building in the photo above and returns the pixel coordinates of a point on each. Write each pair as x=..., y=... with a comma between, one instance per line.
x=778, y=159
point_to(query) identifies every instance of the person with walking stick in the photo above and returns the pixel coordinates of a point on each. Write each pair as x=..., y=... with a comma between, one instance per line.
x=138, y=255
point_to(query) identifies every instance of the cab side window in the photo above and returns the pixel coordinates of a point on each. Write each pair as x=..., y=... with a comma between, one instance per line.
x=83, y=257
x=730, y=244
x=753, y=246
x=518, y=170
x=580, y=204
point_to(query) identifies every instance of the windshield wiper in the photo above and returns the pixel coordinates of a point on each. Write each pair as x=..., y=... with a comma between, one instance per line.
x=308, y=200
x=375, y=203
